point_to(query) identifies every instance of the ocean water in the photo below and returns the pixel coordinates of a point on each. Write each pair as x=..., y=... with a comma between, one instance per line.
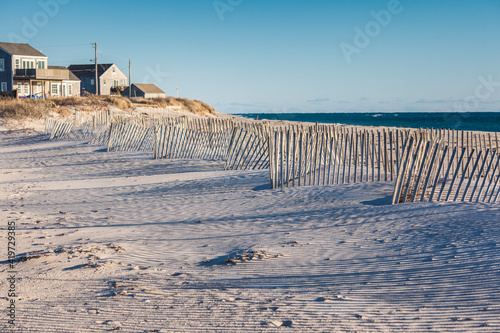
x=468, y=121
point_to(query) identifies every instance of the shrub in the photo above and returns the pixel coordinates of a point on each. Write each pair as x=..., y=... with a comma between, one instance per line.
x=25, y=108
x=64, y=112
x=207, y=107
x=120, y=102
x=67, y=101
x=190, y=105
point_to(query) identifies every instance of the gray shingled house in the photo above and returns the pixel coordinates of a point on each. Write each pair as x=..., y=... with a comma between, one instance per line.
x=110, y=76
x=24, y=71
x=144, y=90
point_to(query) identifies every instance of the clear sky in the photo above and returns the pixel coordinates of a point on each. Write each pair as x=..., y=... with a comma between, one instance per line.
x=282, y=55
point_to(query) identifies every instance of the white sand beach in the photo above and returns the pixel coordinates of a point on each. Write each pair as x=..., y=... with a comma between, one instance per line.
x=121, y=242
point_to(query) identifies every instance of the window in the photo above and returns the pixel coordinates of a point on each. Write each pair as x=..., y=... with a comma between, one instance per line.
x=70, y=89
x=18, y=64
x=41, y=65
x=92, y=82
x=19, y=88
x=4, y=86
x=28, y=64
x=116, y=84
x=55, y=90
x=114, y=70
x=26, y=89
x=104, y=82
x=2, y=65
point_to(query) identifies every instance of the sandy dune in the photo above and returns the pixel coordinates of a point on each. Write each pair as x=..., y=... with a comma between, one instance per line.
x=118, y=241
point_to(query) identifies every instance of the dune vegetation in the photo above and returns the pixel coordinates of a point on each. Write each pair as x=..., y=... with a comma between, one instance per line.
x=39, y=108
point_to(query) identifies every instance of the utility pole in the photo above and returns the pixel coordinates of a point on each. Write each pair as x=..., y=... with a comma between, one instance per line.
x=129, y=78
x=96, y=72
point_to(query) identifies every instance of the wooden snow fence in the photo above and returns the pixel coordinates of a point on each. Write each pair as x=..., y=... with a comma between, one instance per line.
x=100, y=136
x=433, y=171
x=193, y=138
x=61, y=130
x=49, y=125
x=85, y=126
x=426, y=164
x=471, y=141
x=248, y=149
x=333, y=154
x=174, y=121
x=125, y=136
x=93, y=118
x=125, y=132
x=86, y=132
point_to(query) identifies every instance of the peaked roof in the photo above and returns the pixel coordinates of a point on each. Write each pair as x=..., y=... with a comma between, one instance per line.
x=21, y=49
x=73, y=77
x=85, y=71
x=148, y=88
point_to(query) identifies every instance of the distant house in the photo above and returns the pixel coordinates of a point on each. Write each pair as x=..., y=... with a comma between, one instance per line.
x=110, y=76
x=70, y=86
x=24, y=71
x=144, y=90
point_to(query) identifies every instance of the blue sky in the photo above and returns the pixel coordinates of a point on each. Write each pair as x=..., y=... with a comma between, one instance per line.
x=282, y=55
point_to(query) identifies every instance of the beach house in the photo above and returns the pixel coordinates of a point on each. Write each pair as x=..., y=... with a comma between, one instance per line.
x=109, y=76
x=144, y=90
x=24, y=71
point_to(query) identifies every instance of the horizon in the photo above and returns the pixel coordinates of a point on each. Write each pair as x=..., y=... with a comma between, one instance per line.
x=374, y=112
x=286, y=56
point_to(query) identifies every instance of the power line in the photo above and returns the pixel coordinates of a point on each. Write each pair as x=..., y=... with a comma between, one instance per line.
x=68, y=60
x=57, y=46
x=113, y=55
